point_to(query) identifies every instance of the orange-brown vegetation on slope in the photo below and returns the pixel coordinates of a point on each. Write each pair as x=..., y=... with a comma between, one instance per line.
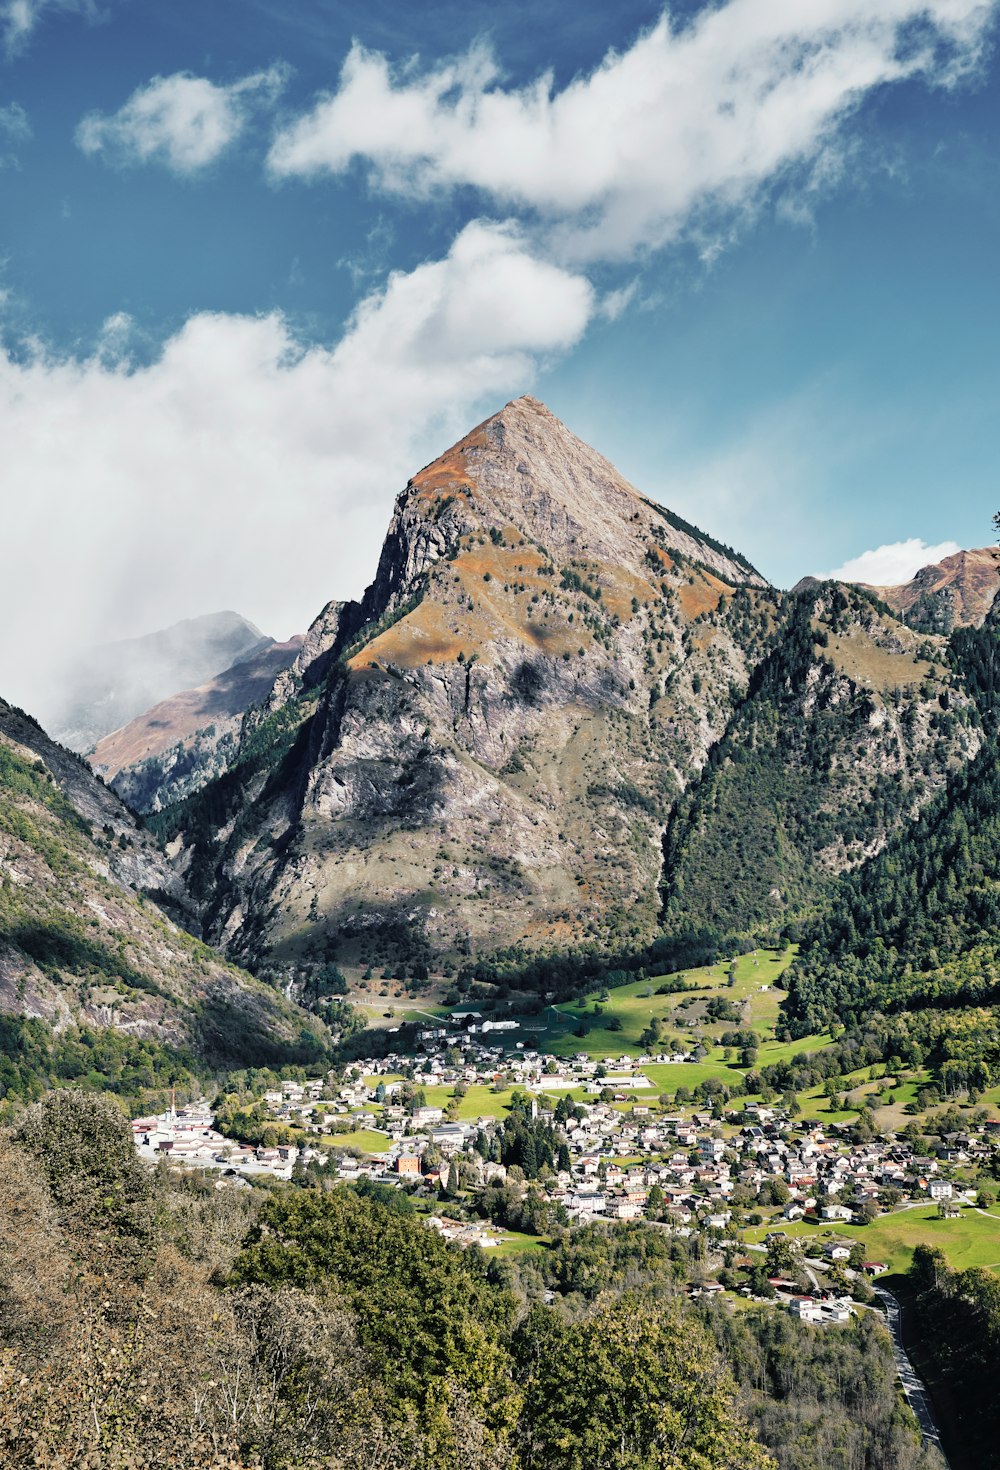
x=666, y=562
x=624, y=586
x=970, y=576
x=436, y=632
x=702, y=595
x=451, y=471
x=428, y=634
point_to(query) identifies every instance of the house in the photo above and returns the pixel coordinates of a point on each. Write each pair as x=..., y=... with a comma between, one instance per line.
x=806, y=1309
x=940, y=1189
x=836, y=1312
x=408, y=1164
x=589, y=1202
x=836, y=1212
x=625, y=1209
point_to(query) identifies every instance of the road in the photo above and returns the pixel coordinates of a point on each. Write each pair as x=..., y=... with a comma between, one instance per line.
x=916, y=1395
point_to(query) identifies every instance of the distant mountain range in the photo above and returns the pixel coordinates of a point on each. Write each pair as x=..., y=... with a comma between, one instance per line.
x=181, y=743
x=106, y=687
x=959, y=591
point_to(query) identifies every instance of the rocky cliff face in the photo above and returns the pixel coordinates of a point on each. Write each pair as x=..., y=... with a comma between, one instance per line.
x=959, y=591
x=80, y=940
x=181, y=743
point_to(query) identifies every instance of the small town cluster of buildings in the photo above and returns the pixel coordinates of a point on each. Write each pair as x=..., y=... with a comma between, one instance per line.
x=623, y=1156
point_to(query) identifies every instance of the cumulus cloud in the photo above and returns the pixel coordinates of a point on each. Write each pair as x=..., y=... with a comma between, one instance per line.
x=242, y=468
x=182, y=121
x=892, y=564
x=19, y=19
x=692, y=119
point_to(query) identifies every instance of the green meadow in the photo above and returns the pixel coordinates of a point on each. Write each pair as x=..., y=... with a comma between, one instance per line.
x=635, y=1005
x=973, y=1239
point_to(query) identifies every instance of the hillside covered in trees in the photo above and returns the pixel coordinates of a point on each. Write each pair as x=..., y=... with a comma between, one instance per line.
x=148, y=1319
x=913, y=934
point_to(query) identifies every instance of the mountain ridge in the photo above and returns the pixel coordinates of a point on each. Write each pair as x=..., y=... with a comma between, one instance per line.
x=180, y=743
x=102, y=689
x=958, y=591
x=85, y=933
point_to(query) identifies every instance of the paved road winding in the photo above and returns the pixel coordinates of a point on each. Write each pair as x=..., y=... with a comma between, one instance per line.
x=916, y=1394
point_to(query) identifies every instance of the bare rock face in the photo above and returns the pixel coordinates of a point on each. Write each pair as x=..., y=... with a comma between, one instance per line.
x=959, y=591
x=312, y=660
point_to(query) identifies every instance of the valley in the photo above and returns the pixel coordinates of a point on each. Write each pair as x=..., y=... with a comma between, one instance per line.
x=591, y=921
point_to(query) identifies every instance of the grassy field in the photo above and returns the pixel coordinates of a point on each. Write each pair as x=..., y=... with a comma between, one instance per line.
x=516, y=1244
x=637, y=1004
x=770, y=1053
x=365, y=1141
x=667, y=1077
x=479, y=1101
x=971, y=1240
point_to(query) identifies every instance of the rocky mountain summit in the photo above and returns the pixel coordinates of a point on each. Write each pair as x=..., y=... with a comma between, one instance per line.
x=959, y=591
x=483, y=755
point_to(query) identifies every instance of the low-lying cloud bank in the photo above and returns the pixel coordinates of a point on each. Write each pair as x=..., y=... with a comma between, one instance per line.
x=242, y=468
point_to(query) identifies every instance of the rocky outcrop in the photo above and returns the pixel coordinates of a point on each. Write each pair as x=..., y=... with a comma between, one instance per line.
x=959, y=591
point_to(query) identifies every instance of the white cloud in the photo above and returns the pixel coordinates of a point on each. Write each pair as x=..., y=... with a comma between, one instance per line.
x=14, y=122
x=691, y=120
x=182, y=121
x=242, y=468
x=892, y=564
x=15, y=128
x=20, y=18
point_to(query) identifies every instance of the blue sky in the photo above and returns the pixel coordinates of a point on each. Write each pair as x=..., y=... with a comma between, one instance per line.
x=261, y=260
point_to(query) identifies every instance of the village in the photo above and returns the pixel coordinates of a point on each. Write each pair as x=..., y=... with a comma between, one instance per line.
x=777, y=1201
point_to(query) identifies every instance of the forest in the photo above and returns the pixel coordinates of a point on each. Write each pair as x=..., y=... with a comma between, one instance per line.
x=150, y=1318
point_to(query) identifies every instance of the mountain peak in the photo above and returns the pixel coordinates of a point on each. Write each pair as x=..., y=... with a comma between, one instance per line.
x=523, y=469
x=959, y=590
x=445, y=748
x=105, y=687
